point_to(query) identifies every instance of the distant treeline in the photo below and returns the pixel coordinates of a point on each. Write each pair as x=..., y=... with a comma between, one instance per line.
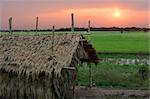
x=127, y=29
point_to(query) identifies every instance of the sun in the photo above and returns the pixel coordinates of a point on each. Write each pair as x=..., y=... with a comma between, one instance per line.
x=117, y=14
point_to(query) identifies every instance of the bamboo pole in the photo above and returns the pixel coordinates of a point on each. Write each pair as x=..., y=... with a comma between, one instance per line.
x=72, y=23
x=37, y=23
x=10, y=25
x=89, y=26
x=89, y=31
x=53, y=35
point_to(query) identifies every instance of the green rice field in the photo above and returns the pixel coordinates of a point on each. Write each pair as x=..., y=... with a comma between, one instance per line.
x=131, y=42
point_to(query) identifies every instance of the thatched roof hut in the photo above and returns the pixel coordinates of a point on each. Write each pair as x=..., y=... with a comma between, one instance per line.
x=29, y=68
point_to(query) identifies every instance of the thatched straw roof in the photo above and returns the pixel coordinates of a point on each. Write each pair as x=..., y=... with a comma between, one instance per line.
x=32, y=55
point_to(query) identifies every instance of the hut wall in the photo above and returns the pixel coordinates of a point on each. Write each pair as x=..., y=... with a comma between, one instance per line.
x=14, y=87
x=62, y=84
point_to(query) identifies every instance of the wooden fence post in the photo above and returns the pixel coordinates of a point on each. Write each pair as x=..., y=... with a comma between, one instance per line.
x=89, y=26
x=72, y=23
x=37, y=23
x=53, y=34
x=10, y=25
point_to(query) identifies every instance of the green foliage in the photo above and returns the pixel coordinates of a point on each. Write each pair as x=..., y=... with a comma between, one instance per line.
x=123, y=55
x=144, y=72
x=107, y=74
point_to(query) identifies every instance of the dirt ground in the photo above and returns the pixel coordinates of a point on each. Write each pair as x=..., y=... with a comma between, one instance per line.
x=106, y=93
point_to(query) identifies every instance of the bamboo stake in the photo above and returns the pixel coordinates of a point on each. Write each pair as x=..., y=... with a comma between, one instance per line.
x=37, y=20
x=89, y=26
x=72, y=23
x=89, y=31
x=10, y=25
x=53, y=34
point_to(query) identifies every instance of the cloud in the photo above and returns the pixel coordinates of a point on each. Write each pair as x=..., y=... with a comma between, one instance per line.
x=83, y=4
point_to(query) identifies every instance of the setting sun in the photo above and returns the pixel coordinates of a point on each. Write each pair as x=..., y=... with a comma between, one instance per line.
x=117, y=14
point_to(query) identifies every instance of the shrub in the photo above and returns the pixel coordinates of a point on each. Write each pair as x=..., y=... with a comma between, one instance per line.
x=144, y=72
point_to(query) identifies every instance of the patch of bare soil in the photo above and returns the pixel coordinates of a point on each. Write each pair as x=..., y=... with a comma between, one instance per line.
x=105, y=93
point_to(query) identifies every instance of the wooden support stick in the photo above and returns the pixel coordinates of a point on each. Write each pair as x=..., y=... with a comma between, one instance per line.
x=90, y=75
x=72, y=24
x=65, y=39
x=10, y=25
x=73, y=89
x=37, y=23
x=74, y=83
x=73, y=69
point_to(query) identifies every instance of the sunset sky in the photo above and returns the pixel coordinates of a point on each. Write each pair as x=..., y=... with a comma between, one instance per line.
x=102, y=13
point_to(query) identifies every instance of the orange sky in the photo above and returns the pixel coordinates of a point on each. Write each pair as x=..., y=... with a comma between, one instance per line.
x=51, y=13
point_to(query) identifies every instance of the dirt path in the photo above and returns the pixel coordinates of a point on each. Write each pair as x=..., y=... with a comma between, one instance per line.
x=99, y=93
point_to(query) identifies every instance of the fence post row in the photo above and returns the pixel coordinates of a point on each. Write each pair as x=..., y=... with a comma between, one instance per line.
x=37, y=24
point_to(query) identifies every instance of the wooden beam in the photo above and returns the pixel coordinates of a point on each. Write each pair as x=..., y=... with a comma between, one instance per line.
x=71, y=68
x=83, y=40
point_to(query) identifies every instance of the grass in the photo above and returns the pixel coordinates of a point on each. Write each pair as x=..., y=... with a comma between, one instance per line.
x=132, y=42
x=111, y=75
x=123, y=55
